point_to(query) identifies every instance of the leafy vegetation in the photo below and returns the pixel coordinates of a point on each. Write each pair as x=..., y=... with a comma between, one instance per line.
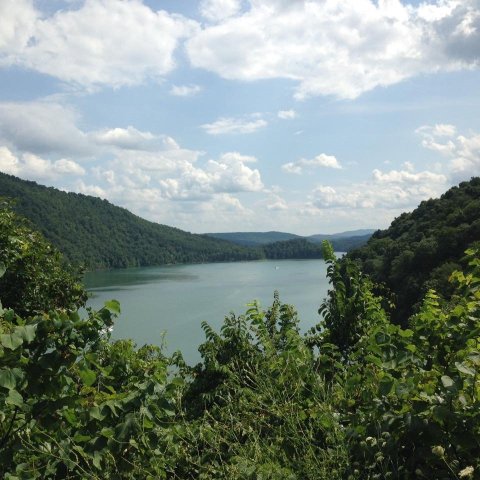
x=421, y=249
x=358, y=397
x=94, y=233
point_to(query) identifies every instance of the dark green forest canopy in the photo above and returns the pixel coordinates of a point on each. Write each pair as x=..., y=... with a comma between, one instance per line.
x=422, y=248
x=97, y=234
x=342, y=242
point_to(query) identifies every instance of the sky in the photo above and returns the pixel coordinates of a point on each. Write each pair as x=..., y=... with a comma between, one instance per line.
x=302, y=116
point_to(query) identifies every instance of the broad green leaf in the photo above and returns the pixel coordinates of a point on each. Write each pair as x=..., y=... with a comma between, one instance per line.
x=405, y=333
x=107, y=432
x=96, y=413
x=113, y=306
x=14, y=398
x=447, y=381
x=27, y=332
x=464, y=369
x=7, y=379
x=385, y=386
x=88, y=376
x=11, y=340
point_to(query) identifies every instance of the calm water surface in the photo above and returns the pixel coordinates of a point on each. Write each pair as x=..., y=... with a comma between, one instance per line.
x=170, y=302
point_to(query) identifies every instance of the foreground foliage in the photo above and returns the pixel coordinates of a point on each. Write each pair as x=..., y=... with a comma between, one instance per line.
x=358, y=397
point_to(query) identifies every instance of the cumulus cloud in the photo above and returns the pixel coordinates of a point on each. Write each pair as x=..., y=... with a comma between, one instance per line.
x=276, y=203
x=229, y=125
x=393, y=190
x=42, y=128
x=287, y=114
x=340, y=48
x=128, y=138
x=185, y=90
x=49, y=128
x=322, y=160
x=17, y=24
x=217, y=10
x=462, y=151
x=33, y=167
x=174, y=173
x=87, y=47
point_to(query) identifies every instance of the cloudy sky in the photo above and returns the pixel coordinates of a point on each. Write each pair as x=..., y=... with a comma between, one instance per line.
x=306, y=116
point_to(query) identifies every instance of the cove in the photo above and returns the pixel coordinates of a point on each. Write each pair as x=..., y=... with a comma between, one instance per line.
x=166, y=305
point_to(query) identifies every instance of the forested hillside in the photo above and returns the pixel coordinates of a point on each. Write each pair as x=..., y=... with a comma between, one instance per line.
x=254, y=239
x=342, y=242
x=95, y=233
x=422, y=248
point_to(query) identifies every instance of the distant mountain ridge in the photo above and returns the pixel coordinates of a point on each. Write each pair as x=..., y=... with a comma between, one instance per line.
x=342, y=241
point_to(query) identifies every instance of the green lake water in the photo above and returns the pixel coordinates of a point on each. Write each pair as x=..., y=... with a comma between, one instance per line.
x=171, y=302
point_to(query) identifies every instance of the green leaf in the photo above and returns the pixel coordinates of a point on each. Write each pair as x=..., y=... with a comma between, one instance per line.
x=385, y=386
x=96, y=413
x=27, y=332
x=405, y=333
x=447, y=381
x=3, y=269
x=14, y=398
x=464, y=369
x=107, y=432
x=88, y=376
x=7, y=379
x=11, y=340
x=113, y=306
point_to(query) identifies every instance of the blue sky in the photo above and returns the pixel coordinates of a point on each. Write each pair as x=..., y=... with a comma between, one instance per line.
x=307, y=116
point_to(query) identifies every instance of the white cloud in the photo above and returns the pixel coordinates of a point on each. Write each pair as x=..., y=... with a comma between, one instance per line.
x=393, y=190
x=17, y=22
x=229, y=125
x=462, y=151
x=185, y=90
x=287, y=114
x=340, y=48
x=87, y=47
x=407, y=176
x=33, y=167
x=276, y=203
x=322, y=160
x=128, y=138
x=42, y=128
x=217, y=10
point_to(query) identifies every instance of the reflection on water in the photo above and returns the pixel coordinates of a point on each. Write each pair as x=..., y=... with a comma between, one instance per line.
x=175, y=300
x=103, y=280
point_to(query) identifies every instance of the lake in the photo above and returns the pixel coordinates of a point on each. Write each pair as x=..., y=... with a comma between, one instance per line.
x=170, y=302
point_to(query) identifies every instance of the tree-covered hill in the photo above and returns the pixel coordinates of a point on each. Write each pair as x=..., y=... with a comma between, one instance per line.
x=254, y=239
x=422, y=248
x=95, y=233
x=341, y=242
